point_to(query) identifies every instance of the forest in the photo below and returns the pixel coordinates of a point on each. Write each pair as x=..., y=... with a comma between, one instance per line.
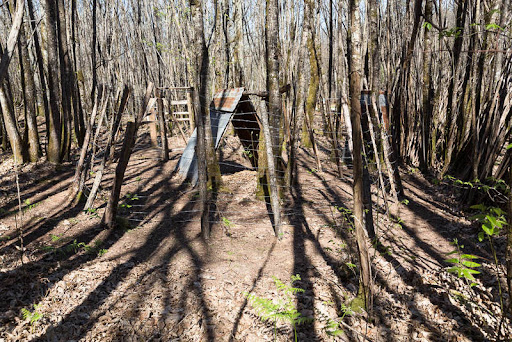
x=278, y=170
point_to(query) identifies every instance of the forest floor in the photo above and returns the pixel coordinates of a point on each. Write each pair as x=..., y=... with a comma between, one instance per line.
x=154, y=278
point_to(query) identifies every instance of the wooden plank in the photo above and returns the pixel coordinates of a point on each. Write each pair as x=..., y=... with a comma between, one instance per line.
x=179, y=102
x=163, y=127
x=190, y=106
x=153, y=132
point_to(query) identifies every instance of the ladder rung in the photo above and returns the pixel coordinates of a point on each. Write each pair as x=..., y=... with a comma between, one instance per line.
x=181, y=113
x=179, y=102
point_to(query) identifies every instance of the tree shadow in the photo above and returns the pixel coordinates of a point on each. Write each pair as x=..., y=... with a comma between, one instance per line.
x=163, y=204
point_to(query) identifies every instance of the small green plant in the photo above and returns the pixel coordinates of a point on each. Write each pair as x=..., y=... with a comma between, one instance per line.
x=129, y=197
x=226, y=222
x=463, y=264
x=5, y=238
x=55, y=238
x=73, y=246
x=333, y=327
x=76, y=246
x=102, y=252
x=492, y=220
x=92, y=212
x=282, y=308
x=48, y=249
x=248, y=154
x=29, y=205
x=33, y=316
x=347, y=216
x=351, y=266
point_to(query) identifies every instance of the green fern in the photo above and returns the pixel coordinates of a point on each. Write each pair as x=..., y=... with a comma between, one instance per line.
x=280, y=309
x=32, y=317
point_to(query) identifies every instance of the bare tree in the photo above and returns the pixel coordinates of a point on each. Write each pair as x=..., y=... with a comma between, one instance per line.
x=355, y=71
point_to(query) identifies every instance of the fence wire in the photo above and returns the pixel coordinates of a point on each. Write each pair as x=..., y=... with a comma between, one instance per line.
x=325, y=195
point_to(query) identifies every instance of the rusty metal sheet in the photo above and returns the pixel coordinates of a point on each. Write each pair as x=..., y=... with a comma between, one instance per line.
x=226, y=100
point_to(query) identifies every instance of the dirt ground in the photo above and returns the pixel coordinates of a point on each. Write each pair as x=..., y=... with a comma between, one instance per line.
x=155, y=279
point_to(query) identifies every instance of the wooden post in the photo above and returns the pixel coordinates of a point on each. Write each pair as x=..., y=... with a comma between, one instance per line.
x=153, y=131
x=161, y=123
x=191, y=109
x=109, y=218
x=116, y=120
x=78, y=181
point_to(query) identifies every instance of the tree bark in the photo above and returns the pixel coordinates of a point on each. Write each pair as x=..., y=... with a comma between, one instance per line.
x=54, y=139
x=40, y=65
x=314, y=81
x=34, y=148
x=200, y=77
x=355, y=70
x=426, y=113
x=11, y=127
x=12, y=39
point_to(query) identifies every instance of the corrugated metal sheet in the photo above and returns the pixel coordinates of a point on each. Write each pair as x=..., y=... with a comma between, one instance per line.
x=222, y=110
x=227, y=99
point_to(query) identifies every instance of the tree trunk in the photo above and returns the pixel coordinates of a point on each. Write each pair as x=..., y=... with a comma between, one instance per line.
x=34, y=149
x=355, y=69
x=509, y=241
x=314, y=68
x=12, y=39
x=238, y=45
x=273, y=120
x=93, y=49
x=65, y=78
x=54, y=139
x=453, y=100
x=75, y=192
x=426, y=113
x=40, y=65
x=11, y=127
x=200, y=77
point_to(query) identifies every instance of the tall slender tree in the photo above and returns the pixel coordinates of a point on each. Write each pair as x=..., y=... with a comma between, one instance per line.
x=53, y=153
x=200, y=82
x=355, y=72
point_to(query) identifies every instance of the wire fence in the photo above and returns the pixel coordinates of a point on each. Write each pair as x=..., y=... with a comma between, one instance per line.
x=244, y=199
x=321, y=167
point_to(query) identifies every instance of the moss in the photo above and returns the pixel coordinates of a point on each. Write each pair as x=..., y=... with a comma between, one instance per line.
x=124, y=223
x=358, y=304
x=262, y=186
